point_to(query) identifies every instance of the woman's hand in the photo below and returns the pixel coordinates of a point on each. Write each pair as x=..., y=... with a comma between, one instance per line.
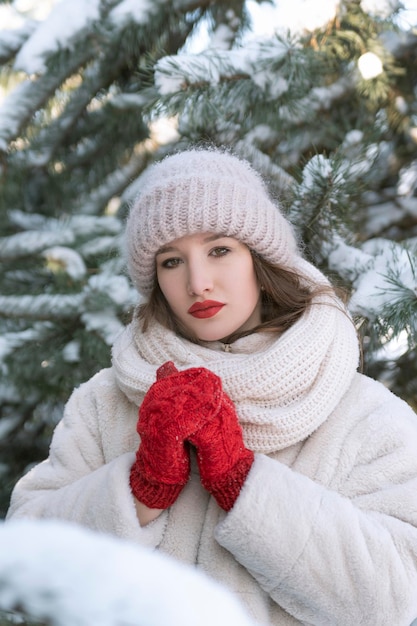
x=175, y=406
x=223, y=460
x=144, y=514
x=183, y=408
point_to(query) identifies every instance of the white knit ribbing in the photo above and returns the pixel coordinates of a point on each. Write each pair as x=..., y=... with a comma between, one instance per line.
x=203, y=191
x=282, y=391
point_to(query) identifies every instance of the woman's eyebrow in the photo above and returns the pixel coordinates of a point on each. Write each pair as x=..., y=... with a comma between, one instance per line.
x=169, y=248
x=214, y=237
x=165, y=249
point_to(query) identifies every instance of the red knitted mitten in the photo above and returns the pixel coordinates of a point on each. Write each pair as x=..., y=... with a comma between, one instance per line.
x=175, y=406
x=222, y=457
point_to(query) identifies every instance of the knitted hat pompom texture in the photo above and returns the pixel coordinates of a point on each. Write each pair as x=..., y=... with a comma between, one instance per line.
x=203, y=190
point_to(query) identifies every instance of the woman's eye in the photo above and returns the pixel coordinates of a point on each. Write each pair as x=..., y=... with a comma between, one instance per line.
x=169, y=263
x=220, y=251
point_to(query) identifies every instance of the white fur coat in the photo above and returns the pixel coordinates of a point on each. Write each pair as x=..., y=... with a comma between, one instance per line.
x=324, y=531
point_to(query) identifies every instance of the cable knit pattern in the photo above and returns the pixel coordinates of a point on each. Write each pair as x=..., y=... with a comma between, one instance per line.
x=283, y=389
x=176, y=406
x=203, y=191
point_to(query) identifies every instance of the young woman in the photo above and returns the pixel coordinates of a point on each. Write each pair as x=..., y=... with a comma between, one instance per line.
x=263, y=456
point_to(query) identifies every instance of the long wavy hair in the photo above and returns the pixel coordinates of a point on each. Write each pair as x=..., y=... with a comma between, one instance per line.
x=285, y=296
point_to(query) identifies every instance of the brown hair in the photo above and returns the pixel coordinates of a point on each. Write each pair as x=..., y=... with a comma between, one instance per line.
x=285, y=296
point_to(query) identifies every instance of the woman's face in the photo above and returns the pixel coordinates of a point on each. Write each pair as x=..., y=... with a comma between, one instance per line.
x=209, y=282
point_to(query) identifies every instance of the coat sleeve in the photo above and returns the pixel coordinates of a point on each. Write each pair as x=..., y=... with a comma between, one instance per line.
x=338, y=553
x=80, y=482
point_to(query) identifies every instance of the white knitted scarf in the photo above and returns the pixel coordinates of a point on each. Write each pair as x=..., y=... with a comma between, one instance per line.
x=283, y=388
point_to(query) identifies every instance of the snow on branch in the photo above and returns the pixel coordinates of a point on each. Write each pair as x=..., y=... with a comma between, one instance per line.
x=32, y=242
x=322, y=98
x=105, y=323
x=383, y=275
x=67, y=19
x=381, y=272
x=17, y=31
x=101, y=289
x=133, y=11
x=100, y=246
x=88, y=225
x=272, y=172
x=326, y=183
x=113, y=184
x=70, y=576
x=105, y=295
x=175, y=73
x=56, y=32
x=317, y=99
x=67, y=260
x=30, y=221
x=14, y=110
x=41, y=307
x=30, y=95
x=46, y=233
x=9, y=341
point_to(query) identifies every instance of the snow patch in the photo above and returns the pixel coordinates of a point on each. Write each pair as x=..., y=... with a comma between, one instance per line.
x=66, y=19
x=132, y=10
x=380, y=8
x=65, y=260
x=71, y=352
x=373, y=269
x=105, y=323
x=71, y=576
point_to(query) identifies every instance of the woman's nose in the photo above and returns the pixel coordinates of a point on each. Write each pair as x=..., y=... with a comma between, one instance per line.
x=199, y=280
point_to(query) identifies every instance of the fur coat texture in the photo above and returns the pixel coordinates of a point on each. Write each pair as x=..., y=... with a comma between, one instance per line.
x=324, y=531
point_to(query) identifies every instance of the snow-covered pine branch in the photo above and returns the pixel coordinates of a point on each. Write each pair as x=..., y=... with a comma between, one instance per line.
x=42, y=307
x=63, y=32
x=17, y=32
x=114, y=184
x=256, y=61
x=40, y=233
x=383, y=275
x=9, y=341
x=30, y=95
x=102, y=288
x=278, y=178
x=32, y=242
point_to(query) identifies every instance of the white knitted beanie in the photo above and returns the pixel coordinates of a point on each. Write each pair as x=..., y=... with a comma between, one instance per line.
x=203, y=190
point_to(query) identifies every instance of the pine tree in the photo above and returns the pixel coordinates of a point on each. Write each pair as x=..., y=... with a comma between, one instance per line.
x=84, y=91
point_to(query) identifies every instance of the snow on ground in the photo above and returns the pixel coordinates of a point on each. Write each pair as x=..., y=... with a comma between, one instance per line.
x=71, y=576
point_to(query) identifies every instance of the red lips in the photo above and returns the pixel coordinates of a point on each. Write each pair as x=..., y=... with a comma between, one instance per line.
x=203, y=310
